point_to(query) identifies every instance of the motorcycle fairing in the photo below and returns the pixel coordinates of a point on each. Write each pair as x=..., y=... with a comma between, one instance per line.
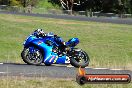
x=49, y=56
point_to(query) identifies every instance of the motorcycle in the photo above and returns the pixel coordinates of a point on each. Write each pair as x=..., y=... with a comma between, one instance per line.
x=45, y=50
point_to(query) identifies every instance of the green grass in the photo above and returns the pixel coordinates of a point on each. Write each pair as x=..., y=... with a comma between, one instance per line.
x=46, y=4
x=108, y=45
x=22, y=82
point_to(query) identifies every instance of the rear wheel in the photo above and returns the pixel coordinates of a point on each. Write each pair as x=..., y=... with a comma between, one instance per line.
x=79, y=59
x=33, y=58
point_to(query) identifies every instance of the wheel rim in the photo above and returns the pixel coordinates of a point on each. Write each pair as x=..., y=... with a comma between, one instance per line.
x=81, y=58
x=34, y=57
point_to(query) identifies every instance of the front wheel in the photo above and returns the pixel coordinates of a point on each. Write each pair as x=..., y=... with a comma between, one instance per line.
x=32, y=56
x=80, y=59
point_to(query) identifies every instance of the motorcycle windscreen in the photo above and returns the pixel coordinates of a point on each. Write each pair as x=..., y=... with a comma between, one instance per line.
x=28, y=40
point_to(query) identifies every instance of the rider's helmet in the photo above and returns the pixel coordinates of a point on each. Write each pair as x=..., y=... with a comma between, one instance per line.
x=39, y=33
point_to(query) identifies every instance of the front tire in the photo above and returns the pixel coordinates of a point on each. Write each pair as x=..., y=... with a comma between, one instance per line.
x=47, y=64
x=75, y=60
x=35, y=58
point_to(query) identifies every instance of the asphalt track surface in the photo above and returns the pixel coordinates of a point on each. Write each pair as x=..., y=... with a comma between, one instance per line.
x=54, y=71
x=79, y=18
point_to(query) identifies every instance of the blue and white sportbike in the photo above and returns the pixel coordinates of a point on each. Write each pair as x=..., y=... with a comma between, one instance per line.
x=38, y=50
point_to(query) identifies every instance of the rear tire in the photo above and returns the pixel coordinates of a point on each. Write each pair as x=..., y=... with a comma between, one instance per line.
x=25, y=56
x=75, y=63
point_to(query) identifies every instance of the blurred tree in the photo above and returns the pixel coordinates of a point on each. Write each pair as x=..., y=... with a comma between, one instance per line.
x=4, y=2
x=26, y=3
x=116, y=6
x=15, y=2
x=67, y=4
x=130, y=6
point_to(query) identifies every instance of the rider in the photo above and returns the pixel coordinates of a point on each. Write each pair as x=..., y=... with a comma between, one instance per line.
x=62, y=45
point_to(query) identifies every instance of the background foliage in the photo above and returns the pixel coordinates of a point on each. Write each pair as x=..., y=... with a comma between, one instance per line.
x=114, y=6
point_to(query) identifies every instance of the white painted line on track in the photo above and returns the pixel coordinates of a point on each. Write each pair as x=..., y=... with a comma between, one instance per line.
x=87, y=67
x=3, y=72
x=70, y=66
x=59, y=65
x=116, y=69
x=100, y=68
x=1, y=63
